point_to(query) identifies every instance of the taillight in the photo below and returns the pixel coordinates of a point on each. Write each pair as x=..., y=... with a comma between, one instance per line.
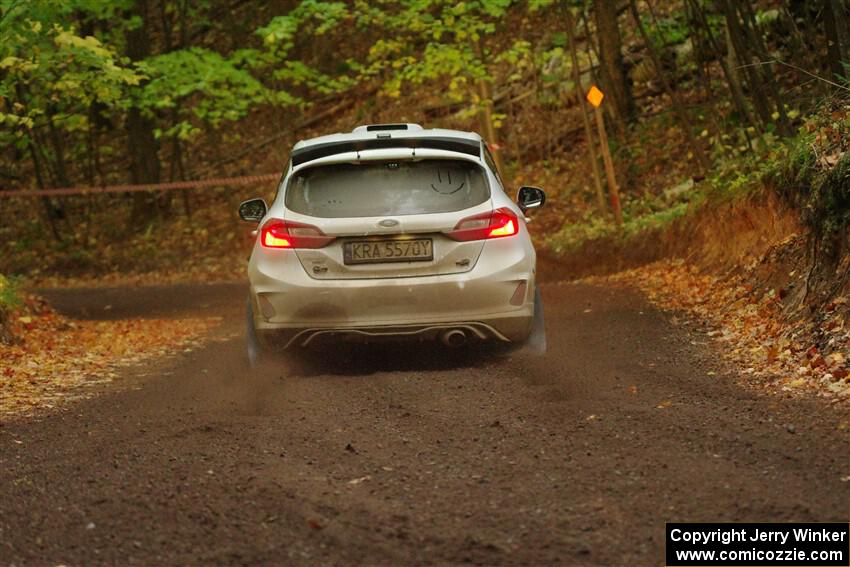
x=286, y=234
x=496, y=224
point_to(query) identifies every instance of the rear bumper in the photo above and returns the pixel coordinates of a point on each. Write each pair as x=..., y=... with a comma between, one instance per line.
x=493, y=330
x=291, y=308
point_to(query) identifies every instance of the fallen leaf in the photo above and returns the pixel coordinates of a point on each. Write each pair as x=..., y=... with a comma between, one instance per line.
x=772, y=353
x=836, y=359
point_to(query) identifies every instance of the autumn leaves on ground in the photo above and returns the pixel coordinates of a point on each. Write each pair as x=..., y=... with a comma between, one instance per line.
x=48, y=359
x=750, y=330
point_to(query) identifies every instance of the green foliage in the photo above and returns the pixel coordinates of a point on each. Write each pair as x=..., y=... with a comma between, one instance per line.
x=593, y=227
x=535, y=5
x=49, y=72
x=9, y=298
x=741, y=171
x=209, y=88
x=767, y=17
x=202, y=84
x=672, y=30
x=280, y=33
x=432, y=40
x=814, y=172
x=53, y=76
x=311, y=18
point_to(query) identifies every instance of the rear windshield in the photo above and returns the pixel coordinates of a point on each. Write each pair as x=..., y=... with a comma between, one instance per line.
x=374, y=189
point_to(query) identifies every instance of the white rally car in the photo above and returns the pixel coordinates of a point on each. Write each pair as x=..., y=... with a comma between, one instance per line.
x=392, y=232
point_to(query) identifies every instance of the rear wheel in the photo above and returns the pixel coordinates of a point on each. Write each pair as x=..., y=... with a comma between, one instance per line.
x=536, y=341
x=253, y=348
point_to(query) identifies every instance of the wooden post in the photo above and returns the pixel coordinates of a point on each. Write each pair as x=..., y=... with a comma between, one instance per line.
x=595, y=97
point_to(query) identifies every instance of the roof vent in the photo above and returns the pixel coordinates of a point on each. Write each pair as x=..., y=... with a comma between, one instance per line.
x=386, y=127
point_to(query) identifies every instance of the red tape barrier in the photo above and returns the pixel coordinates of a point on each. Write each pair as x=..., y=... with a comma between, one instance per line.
x=244, y=180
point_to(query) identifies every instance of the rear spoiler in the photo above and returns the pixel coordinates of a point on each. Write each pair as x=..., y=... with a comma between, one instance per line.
x=309, y=153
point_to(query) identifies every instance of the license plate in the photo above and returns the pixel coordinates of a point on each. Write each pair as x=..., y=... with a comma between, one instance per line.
x=379, y=251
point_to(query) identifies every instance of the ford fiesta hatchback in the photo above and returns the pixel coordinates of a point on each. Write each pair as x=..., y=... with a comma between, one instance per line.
x=392, y=232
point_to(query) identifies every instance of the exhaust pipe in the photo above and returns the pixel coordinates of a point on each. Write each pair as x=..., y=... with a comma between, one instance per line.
x=453, y=338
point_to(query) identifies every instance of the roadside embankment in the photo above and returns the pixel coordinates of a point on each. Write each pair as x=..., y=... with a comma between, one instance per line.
x=748, y=274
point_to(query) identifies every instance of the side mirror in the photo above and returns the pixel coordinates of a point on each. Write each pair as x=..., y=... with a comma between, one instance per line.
x=530, y=198
x=253, y=210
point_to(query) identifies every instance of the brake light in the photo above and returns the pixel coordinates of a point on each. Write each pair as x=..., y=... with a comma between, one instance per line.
x=273, y=237
x=496, y=224
x=277, y=233
x=507, y=229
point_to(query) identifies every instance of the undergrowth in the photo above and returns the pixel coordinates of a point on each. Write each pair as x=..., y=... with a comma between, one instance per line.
x=8, y=293
x=815, y=174
x=811, y=172
x=9, y=300
x=593, y=227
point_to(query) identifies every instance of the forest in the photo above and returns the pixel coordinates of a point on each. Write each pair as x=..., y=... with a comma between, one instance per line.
x=98, y=93
x=707, y=104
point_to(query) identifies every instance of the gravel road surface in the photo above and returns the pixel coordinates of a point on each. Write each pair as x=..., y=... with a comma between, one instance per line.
x=412, y=455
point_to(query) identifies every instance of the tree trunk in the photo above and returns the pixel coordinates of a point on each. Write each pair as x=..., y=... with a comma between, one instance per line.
x=771, y=85
x=58, y=147
x=739, y=42
x=49, y=209
x=485, y=117
x=734, y=87
x=837, y=35
x=143, y=146
x=485, y=114
x=842, y=32
x=678, y=105
x=588, y=132
x=615, y=81
x=177, y=170
x=702, y=60
x=53, y=213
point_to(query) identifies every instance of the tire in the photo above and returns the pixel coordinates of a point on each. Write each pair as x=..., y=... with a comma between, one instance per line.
x=253, y=348
x=536, y=341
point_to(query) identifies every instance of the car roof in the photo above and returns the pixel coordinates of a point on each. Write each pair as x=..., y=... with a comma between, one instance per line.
x=379, y=136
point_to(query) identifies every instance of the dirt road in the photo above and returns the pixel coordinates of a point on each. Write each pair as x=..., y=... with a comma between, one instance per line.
x=397, y=456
